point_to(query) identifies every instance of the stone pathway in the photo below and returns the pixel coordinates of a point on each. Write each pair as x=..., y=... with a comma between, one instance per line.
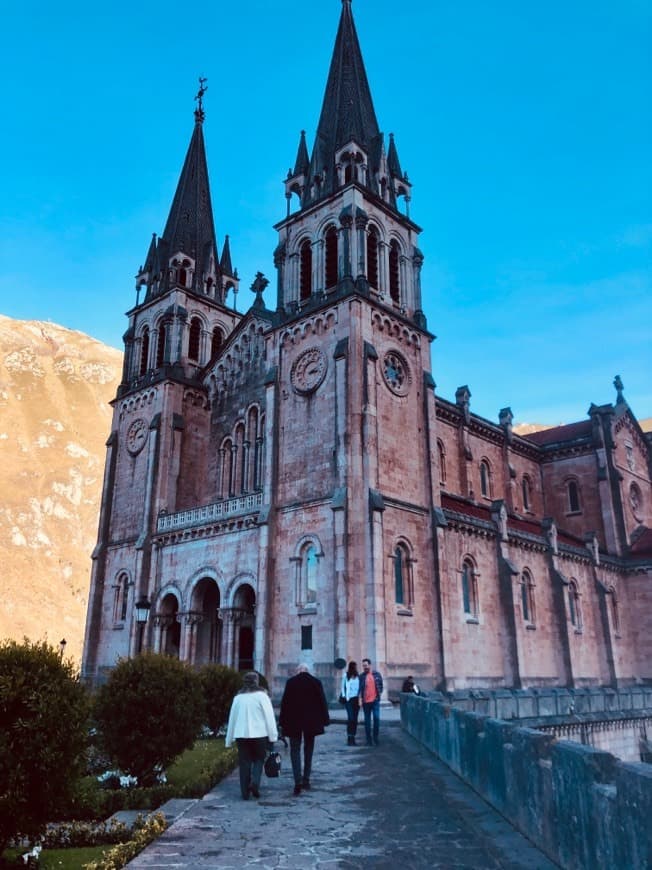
x=391, y=806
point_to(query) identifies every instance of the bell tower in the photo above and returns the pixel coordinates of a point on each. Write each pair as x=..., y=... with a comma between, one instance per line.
x=348, y=233
x=353, y=374
x=183, y=316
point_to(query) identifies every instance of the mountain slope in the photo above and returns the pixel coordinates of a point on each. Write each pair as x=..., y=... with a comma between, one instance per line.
x=55, y=386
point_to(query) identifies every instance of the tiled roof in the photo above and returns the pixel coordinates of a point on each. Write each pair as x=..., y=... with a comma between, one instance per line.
x=462, y=506
x=514, y=524
x=561, y=433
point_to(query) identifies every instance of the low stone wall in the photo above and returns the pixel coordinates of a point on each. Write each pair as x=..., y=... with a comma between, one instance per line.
x=542, y=703
x=580, y=806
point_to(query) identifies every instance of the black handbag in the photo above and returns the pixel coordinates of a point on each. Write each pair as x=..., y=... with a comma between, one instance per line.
x=342, y=699
x=272, y=764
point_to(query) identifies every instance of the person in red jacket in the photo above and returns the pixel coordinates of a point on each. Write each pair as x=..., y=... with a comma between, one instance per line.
x=371, y=688
x=303, y=715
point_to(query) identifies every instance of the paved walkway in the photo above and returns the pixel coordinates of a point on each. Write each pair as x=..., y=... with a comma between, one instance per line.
x=391, y=806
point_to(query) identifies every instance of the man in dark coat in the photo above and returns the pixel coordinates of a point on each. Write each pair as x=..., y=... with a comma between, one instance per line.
x=304, y=714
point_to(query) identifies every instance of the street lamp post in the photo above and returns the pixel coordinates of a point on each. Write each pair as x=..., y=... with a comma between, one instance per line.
x=142, y=614
x=62, y=647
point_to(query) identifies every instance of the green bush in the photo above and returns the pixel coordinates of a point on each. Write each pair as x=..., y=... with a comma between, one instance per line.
x=43, y=733
x=147, y=713
x=220, y=685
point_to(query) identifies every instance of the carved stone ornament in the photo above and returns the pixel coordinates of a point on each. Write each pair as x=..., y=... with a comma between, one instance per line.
x=396, y=373
x=137, y=436
x=308, y=371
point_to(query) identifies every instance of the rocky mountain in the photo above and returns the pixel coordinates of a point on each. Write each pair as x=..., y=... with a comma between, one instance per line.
x=55, y=386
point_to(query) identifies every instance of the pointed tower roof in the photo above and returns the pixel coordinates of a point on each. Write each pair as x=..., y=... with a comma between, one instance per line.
x=225, y=262
x=347, y=112
x=302, y=162
x=393, y=163
x=190, y=228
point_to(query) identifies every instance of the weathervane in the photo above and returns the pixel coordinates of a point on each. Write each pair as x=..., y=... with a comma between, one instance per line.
x=199, y=111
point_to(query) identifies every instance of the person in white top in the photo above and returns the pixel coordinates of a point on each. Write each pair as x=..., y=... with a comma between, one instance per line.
x=350, y=690
x=252, y=725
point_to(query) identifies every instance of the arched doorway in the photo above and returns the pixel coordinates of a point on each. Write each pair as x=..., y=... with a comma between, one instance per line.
x=244, y=605
x=205, y=621
x=169, y=626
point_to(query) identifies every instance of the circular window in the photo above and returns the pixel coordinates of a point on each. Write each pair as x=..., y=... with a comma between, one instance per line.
x=396, y=373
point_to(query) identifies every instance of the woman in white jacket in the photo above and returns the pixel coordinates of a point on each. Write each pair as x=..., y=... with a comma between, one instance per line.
x=252, y=725
x=349, y=691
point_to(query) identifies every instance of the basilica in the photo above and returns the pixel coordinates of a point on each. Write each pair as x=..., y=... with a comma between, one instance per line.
x=286, y=485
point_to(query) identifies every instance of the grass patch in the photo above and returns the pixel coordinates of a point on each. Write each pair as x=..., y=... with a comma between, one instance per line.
x=195, y=763
x=56, y=859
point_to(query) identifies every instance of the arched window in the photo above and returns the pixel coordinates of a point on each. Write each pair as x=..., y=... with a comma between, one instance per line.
x=525, y=487
x=372, y=257
x=394, y=281
x=144, y=352
x=469, y=589
x=227, y=457
x=403, y=593
x=307, y=569
x=574, y=609
x=160, y=345
x=217, y=340
x=485, y=479
x=310, y=569
x=194, y=339
x=332, y=274
x=573, y=493
x=615, y=614
x=442, y=461
x=240, y=460
x=121, y=598
x=527, y=597
x=251, y=482
x=305, y=270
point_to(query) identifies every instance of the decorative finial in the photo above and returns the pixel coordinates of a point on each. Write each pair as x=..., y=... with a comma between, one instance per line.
x=260, y=282
x=618, y=384
x=199, y=111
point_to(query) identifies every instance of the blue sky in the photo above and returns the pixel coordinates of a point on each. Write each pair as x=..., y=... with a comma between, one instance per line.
x=525, y=129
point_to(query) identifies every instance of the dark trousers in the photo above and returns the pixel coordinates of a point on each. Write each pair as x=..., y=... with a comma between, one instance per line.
x=251, y=756
x=295, y=757
x=352, y=711
x=372, y=711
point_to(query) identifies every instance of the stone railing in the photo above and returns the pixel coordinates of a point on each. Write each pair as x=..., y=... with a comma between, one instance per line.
x=209, y=513
x=581, y=806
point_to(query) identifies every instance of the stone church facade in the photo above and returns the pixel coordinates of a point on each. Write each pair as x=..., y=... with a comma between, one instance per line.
x=285, y=485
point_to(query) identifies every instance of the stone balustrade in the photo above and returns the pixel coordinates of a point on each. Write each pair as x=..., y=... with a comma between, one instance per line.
x=219, y=510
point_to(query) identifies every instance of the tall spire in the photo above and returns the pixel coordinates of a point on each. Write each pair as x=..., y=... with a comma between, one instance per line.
x=189, y=229
x=347, y=113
